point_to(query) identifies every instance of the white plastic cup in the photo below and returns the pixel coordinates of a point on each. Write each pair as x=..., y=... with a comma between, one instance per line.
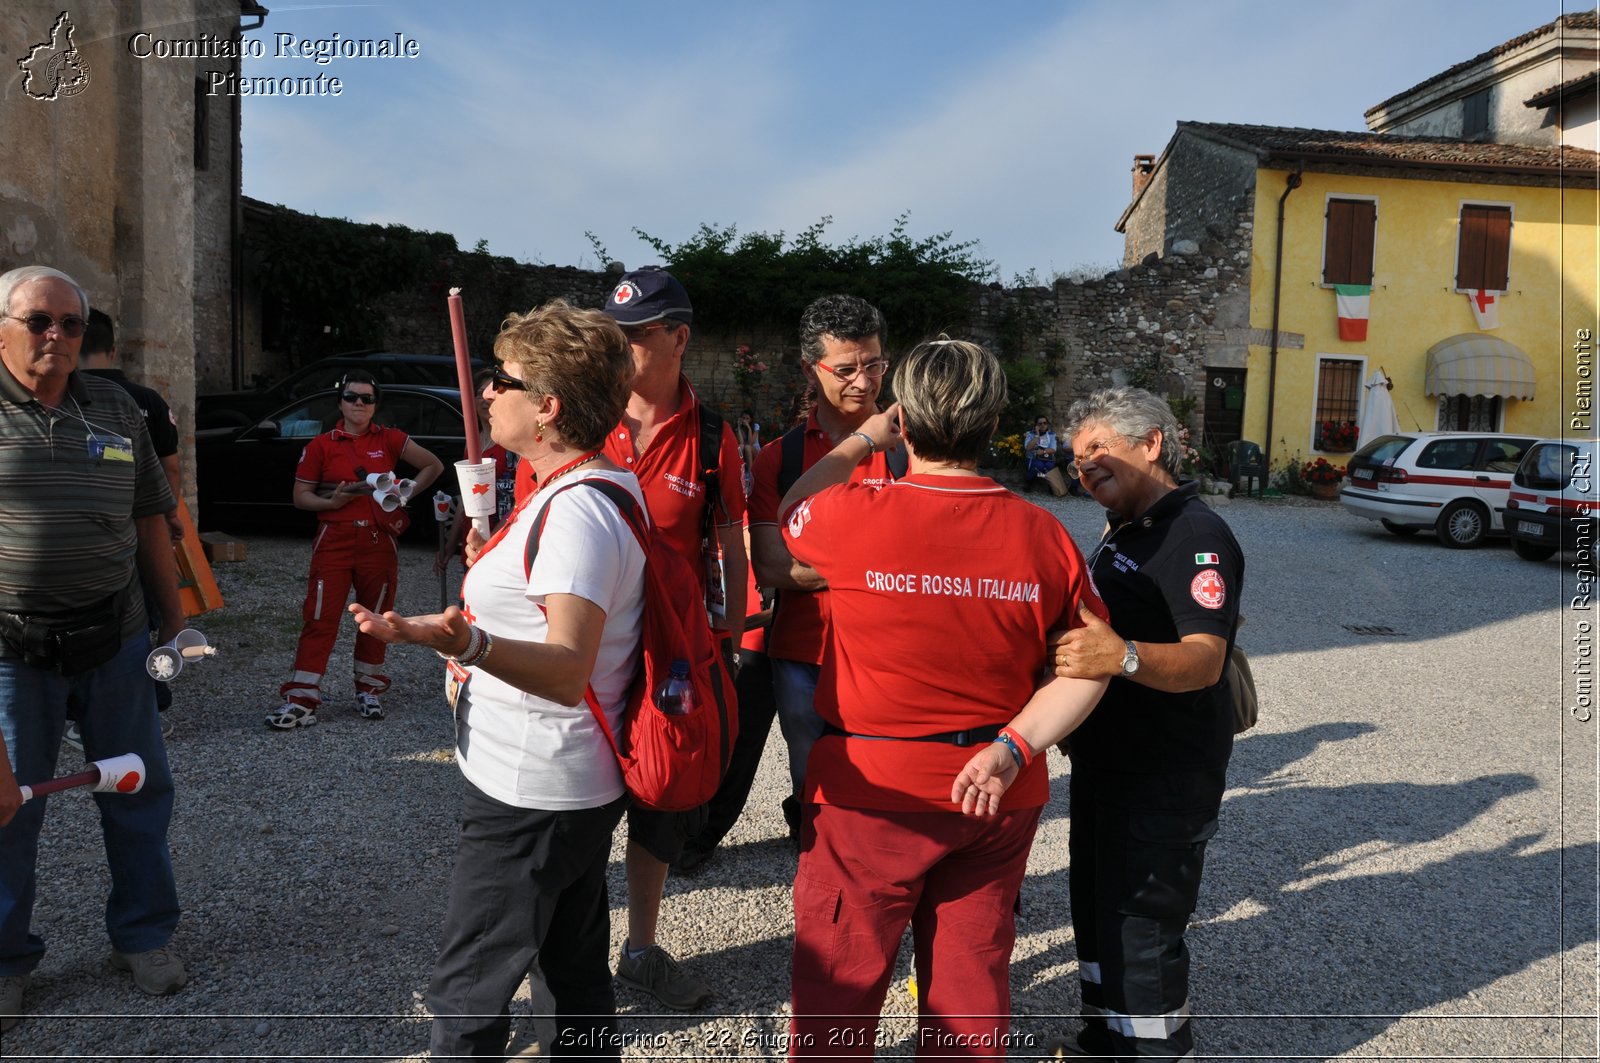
x=121, y=775
x=380, y=481
x=477, y=486
x=389, y=500
x=443, y=506
x=405, y=487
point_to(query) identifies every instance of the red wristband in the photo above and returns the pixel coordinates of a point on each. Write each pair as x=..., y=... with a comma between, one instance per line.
x=1022, y=744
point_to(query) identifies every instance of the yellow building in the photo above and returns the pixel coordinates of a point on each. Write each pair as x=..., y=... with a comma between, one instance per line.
x=1460, y=264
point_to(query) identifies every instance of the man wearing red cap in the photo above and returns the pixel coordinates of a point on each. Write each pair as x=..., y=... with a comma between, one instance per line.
x=658, y=440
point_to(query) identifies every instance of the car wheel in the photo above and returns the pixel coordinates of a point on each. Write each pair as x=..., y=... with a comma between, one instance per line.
x=1402, y=530
x=1463, y=525
x=1532, y=551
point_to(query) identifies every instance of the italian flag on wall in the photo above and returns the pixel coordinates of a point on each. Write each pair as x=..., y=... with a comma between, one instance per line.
x=1355, y=305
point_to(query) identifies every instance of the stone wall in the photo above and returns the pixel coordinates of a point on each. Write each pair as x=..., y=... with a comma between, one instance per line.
x=1158, y=324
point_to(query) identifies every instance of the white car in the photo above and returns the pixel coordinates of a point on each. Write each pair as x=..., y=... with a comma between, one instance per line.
x=1455, y=483
x=1555, y=500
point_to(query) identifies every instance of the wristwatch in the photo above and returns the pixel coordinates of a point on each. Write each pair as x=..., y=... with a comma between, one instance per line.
x=1130, y=662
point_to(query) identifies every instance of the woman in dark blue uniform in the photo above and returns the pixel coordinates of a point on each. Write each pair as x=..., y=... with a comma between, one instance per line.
x=1149, y=764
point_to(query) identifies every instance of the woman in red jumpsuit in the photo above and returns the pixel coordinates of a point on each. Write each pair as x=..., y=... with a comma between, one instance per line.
x=352, y=548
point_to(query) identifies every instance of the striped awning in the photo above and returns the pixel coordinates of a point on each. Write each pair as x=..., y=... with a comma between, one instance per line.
x=1475, y=364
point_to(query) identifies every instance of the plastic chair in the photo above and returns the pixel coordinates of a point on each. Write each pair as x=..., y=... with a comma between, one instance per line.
x=1245, y=466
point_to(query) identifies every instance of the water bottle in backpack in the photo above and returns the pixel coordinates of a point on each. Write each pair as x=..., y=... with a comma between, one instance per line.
x=675, y=697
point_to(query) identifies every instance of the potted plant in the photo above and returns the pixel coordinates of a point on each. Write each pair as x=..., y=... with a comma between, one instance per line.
x=1323, y=477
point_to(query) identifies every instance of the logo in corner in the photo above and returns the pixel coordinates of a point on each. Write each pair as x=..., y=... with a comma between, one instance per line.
x=624, y=294
x=55, y=68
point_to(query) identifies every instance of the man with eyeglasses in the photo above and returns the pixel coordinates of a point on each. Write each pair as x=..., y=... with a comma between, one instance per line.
x=841, y=354
x=1039, y=446
x=83, y=502
x=658, y=440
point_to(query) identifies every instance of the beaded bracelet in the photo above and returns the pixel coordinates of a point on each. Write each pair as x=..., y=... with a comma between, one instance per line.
x=479, y=643
x=1018, y=746
x=872, y=444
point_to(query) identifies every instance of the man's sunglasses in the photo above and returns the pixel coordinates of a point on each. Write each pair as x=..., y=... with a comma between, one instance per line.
x=503, y=381
x=39, y=323
x=848, y=373
x=361, y=397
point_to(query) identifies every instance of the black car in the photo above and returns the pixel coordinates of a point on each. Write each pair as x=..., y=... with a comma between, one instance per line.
x=246, y=476
x=235, y=409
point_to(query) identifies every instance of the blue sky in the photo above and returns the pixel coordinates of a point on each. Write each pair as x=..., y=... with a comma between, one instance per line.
x=1013, y=124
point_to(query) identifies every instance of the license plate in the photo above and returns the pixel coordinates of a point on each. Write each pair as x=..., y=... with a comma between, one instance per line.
x=1528, y=527
x=1362, y=474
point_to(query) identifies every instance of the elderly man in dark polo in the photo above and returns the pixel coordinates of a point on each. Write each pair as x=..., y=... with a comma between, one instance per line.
x=83, y=502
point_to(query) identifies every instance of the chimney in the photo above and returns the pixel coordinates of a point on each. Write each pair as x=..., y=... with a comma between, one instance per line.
x=1143, y=167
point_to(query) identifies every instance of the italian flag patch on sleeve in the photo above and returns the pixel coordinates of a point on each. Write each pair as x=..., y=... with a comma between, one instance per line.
x=1207, y=559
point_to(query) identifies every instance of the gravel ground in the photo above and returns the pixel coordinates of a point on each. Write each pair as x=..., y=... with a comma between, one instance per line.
x=1406, y=866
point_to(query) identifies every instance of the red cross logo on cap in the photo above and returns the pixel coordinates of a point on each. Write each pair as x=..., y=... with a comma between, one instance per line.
x=623, y=294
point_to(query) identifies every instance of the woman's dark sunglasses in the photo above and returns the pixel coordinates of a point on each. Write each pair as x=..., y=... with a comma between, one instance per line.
x=359, y=397
x=40, y=323
x=503, y=381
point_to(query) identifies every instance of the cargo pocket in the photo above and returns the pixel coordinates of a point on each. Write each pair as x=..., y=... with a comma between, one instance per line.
x=817, y=907
x=1166, y=852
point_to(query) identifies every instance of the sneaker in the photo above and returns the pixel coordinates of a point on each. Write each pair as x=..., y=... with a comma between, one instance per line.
x=290, y=715
x=369, y=706
x=157, y=972
x=658, y=974
x=166, y=727
x=73, y=736
x=12, y=986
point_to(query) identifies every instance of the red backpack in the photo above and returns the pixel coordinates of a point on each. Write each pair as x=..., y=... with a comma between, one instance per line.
x=670, y=763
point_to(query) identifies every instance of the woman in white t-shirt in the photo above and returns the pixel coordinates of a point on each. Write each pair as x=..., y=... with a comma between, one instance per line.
x=543, y=789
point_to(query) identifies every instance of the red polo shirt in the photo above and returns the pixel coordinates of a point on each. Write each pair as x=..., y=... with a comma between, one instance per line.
x=669, y=474
x=799, y=627
x=941, y=590
x=338, y=455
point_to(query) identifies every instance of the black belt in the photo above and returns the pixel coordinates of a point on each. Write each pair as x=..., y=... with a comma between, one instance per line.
x=972, y=736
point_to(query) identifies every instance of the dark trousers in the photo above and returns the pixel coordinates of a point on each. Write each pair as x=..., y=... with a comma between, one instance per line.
x=528, y=898
x=1135, y=852
x=756, y=710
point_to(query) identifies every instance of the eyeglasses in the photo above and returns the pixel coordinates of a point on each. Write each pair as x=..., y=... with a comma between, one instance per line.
x=365, y=398
x=503, y=381
x=847, y=373
x=39, y=323
x=1091, y=452
x=636, y=333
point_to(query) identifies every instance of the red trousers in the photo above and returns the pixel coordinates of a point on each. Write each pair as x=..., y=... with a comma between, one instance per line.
x=864, y=874
x=342, y=556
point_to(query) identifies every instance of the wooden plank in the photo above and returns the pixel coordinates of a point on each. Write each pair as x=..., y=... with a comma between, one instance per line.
x=197, y=587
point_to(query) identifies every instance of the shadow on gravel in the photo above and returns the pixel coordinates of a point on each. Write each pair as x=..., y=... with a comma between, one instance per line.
x=1327, y=911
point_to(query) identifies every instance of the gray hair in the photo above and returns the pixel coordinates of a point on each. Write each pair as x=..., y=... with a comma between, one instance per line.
x=14, y=279
x=1131, y=412
x=951, y=393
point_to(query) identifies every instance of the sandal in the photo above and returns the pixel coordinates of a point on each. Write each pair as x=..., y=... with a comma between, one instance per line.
x=290, y=715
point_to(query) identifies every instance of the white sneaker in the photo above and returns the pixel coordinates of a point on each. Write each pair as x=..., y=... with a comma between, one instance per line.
x=369, y=706
x=72, y=736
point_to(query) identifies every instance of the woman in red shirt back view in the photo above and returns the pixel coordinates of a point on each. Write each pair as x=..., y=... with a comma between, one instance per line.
x=943, y=587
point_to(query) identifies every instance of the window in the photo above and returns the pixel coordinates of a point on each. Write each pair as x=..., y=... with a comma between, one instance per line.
x=1347, y=241
x=1469, y=413
x=202, y=126
x=1483, y=254
x=1338, y=404
x=1475, y=115
x=1449, y=454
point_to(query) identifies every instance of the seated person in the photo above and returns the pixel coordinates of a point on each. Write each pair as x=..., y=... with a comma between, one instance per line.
x=1039, y=448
